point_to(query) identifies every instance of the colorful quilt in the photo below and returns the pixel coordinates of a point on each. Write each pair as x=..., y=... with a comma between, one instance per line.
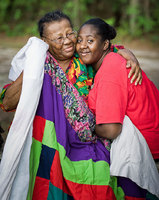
x=67, y=162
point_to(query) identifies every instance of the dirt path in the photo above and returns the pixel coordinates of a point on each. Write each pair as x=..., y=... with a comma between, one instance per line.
x=6, y=56
x=149, y=62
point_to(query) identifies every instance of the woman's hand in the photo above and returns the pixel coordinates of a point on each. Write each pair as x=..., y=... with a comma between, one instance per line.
x=135, y=73
x=12, y=94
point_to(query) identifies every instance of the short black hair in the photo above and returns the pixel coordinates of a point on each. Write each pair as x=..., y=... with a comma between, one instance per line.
x=56, y=15
x=106, y=31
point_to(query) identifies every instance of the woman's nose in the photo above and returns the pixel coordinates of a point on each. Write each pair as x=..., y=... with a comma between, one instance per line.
x=83, y=45
x=67, y=40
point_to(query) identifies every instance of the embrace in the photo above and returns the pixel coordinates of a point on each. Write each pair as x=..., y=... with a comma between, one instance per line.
x=63, y=134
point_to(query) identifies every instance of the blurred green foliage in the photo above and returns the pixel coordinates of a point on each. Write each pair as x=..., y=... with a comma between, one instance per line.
x=133, y=17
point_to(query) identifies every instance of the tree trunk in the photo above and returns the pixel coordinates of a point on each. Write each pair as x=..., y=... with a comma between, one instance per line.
x=146, y=7
x=76, y=13
x=133, y=15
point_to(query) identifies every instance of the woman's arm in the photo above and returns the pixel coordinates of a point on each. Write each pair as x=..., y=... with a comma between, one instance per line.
x=12, y=94
x=108, y=131
x=134, y=64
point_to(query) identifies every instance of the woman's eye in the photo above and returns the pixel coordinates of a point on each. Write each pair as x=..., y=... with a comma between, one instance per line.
x=79, y=40
x=70, y=34
x=59, y=38
x=90, y=41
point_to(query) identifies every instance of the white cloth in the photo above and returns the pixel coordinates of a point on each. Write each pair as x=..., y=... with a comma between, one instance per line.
x=130, y=157
x=18, y=62
x=14, y=166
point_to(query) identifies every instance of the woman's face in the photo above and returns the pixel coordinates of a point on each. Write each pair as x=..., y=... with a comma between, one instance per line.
x=60, y=46
x=89, y=45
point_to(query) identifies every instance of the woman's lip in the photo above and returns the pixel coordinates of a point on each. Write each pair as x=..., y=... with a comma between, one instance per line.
x=84, y=53
x=68, y=49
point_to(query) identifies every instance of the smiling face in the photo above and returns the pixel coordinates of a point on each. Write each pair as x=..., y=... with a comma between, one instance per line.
x=90, y=46
x=54, y=31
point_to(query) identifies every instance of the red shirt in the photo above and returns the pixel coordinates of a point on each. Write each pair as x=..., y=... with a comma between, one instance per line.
x=113, y=97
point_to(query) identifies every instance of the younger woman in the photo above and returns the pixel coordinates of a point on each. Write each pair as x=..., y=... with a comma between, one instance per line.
x=113, y=96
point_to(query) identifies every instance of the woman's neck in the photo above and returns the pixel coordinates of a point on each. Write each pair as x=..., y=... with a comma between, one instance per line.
x=97, y=65
x=64, y=63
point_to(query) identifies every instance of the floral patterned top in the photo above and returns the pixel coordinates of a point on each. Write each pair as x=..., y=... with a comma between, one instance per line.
x=76, y=110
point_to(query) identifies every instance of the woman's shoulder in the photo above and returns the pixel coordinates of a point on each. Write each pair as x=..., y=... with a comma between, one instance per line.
x=113, y=61
x=113, y=66
x=114, y=58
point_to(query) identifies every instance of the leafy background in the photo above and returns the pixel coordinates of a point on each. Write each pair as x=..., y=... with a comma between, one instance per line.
x=132, y=18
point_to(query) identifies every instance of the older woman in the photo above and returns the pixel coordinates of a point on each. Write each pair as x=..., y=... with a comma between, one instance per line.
x=66, y=160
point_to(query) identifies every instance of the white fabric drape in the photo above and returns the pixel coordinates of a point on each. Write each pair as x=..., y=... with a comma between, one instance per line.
x=131, y=158
x=14, y=166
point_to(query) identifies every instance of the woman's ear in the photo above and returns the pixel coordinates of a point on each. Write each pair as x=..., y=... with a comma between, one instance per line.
x=106, y=44
x=44, y=39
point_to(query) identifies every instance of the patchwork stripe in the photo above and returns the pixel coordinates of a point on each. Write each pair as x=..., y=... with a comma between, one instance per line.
x=38, y=128
x=34, y=164
x=49, y=137
x=41, y=189
x=46, y=159
x=56, y=194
